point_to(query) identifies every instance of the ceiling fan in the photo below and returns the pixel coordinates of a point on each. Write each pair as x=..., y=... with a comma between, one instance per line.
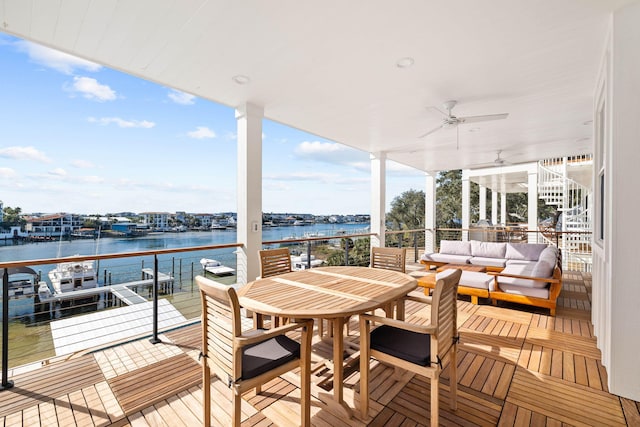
x=451, y=121
x=498, y=161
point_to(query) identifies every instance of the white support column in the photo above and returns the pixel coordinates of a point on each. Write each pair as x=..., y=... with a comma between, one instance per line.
x=532, y=213
x=378, y=192
x=503, y=208
x=494, y=207
x=466, y=204
x=249, y=192
x=483, y=202
x=430, y=214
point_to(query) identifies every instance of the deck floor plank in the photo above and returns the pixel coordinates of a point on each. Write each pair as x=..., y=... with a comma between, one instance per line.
x=140, y=388
x=516, y=366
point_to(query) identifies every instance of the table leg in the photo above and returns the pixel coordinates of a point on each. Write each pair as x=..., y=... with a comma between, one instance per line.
x=338, y=352
x=337, y=401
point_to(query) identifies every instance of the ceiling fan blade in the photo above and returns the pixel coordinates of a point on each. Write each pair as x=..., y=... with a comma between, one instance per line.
x=438, y=110
x=430, y=132
x=487, y=117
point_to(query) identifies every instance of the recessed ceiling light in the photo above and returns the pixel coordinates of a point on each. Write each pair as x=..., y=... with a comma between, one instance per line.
x=240, y=79
x=405, y=62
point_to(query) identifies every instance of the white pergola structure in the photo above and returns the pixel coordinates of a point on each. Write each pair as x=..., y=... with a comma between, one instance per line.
x=366, y=74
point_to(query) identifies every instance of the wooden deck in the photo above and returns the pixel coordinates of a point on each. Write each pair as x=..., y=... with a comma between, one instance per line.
x=517, y=366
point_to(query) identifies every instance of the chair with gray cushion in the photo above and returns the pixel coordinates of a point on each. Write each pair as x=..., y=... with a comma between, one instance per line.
x=423, y=349
x=245, y=360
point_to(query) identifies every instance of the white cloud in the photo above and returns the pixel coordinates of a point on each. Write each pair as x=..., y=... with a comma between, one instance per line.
x=24, y=153
x=82, y=164
x=302, y=176
x=181, y=98
x=330, y=152
x=59, y=61
x=58, y=172
x=90, y=179
x=91, y=89
x=104, y=121
x=202, y=132
x=7, y=173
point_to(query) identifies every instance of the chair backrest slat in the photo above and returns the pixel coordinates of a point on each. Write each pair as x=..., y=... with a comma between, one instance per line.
x=221, y=323
x=274, y=262
x=389, y=258
x=444, y=312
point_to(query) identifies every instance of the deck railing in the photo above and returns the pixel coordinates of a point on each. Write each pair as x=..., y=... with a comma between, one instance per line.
x=31, y=337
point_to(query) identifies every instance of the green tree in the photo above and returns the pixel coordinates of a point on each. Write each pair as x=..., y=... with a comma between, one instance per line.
x=407, y=211
x=11, y=217
x=358, y=252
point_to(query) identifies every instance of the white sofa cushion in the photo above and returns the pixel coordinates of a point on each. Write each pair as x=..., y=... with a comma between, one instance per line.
x=455, y=247
x=451, y=259
x=473, y=279
x=521, y=270
x=524, y=251
x=521, y=290
x=488, y=249
x=488, y=262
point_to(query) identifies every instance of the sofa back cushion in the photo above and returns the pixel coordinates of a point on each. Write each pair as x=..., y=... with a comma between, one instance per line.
x=524, y=251
x=488, y=249
x=546, y=262
x=455, y=247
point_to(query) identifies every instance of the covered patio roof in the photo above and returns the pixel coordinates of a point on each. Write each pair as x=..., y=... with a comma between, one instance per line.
x=368, y=75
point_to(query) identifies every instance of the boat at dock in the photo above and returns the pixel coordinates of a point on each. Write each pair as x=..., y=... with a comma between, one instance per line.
x=22, y=282
x=300, y=262
x=73, y=275
x=216, y=267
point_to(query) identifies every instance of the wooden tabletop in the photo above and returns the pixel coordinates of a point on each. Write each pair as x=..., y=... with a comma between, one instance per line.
x=325, y=292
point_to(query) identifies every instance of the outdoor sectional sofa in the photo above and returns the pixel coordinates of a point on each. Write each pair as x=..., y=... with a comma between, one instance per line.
x=526, y=273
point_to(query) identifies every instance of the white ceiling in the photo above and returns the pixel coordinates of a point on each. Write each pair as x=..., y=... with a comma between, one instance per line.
x=329, y=68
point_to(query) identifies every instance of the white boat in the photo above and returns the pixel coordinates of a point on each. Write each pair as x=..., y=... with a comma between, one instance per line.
x=74, y=275
x=300, y=262
x=215, y=267
x=22, y=282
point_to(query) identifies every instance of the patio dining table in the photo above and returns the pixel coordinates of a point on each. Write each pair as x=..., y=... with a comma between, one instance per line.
x=332, y=293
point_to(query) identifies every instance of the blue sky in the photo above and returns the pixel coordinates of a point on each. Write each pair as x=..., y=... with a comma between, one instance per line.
x=78, y=137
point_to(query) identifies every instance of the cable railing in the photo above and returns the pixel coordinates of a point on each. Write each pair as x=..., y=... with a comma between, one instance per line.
x=162, y=282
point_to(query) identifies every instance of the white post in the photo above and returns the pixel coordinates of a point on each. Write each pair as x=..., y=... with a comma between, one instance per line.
x=378, y=190
x=249, y=192
x=483, y=202
x=494, y=207
x=466, y=203
x=532, y=213
x=430, y=213
x=503, y=208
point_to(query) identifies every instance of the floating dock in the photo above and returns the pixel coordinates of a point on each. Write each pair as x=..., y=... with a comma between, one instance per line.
x=107, y=326
x=124, y=292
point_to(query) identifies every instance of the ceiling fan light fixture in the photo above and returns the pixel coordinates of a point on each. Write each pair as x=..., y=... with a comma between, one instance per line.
x=241, y=79
x=405, y=62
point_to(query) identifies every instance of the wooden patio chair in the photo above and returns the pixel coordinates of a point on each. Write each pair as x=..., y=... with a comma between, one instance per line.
x=245, y=360
x=423, y=349
x=274, y=262
x=389, y=258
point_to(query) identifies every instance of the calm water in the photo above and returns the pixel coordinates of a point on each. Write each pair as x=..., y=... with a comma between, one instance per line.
x=30, y=334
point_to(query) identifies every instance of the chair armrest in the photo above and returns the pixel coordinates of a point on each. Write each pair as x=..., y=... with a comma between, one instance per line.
x=422, y=299
x=517, y=276
x=265, y=334
x=421, y=329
